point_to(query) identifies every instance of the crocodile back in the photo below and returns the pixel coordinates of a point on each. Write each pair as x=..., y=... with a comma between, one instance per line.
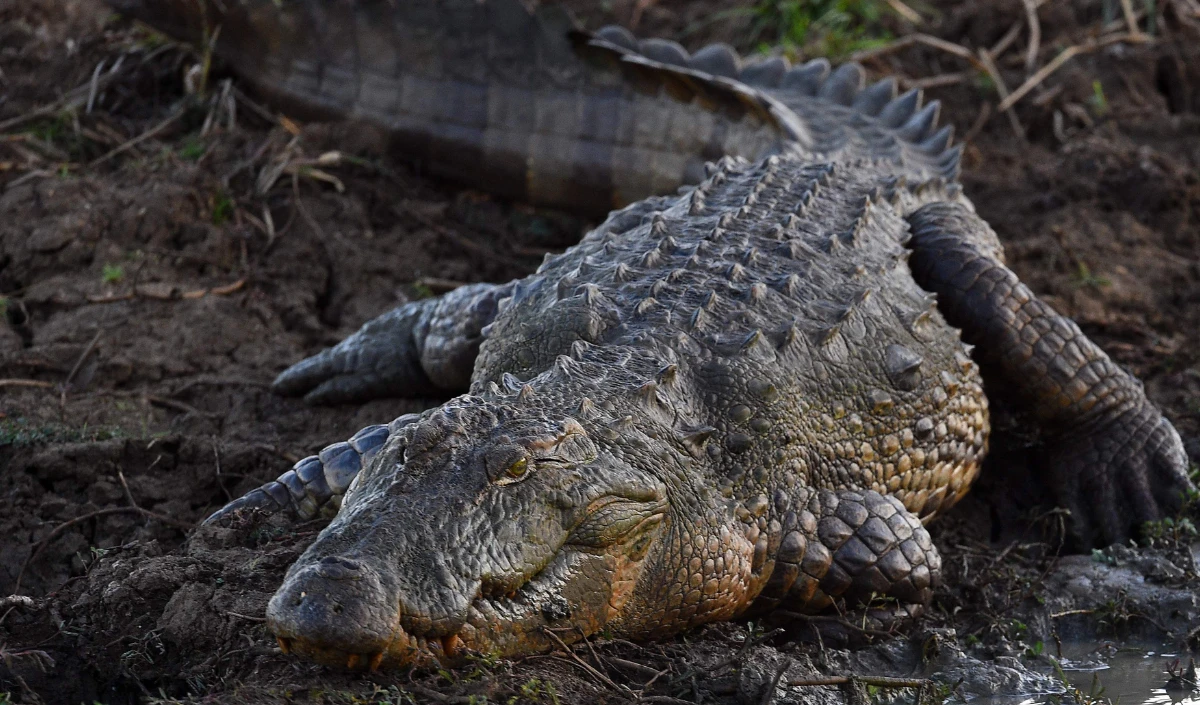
x=527, y=106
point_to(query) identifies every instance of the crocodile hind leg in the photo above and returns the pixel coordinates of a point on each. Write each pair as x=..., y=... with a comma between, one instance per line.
x=850, y=564
x=314, y=487
x=421, y=347
x=1113, y=461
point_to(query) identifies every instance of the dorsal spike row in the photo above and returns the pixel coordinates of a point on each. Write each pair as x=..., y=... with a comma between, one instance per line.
x=916, y=320
x=587, y=408
x=735, y=272
x=824, y=336
x=526, y=393
x=696, y=319
x=695, y=439
x=647, y=394
x=790, y=336
x=645, y=305
x=623, y=424
x=622, y=272
x=591, y=294
x=901, y=361
x=564, y=365
x=711, y=299
x=511, y=382
x=667, y=375
x=651, y=259
x=697, y=204
x=658, y=225
x=580, y=348
x=758, y=292
x=791, y=285
x=754, y=339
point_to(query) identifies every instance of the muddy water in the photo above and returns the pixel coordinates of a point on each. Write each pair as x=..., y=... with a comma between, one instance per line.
x=1122, y=675
x=1131, y=676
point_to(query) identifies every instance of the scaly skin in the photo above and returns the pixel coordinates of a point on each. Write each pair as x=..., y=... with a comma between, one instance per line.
x=744, y=405
x=733, y=401
x=529, y=107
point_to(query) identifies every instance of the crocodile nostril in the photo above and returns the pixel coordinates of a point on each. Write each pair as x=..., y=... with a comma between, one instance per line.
x=339, y=568
x=337, y=609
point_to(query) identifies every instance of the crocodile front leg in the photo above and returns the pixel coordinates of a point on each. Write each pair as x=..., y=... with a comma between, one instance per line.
x=426, y=346
x=858, y=551
x=1113, y=460
x=315, y=486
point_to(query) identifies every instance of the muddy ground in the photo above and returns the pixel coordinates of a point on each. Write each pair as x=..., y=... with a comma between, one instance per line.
x=162, y=257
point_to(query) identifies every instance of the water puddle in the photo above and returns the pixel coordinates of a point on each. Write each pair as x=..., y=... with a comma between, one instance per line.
x=1122, y=675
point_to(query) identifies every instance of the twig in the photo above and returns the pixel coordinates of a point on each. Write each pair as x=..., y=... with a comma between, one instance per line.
x=245, y=616
x=585, y=665
x=157, y=129
x=125, y=486
x=1007, y=40
x=985, y=59
x=1066, y=55
x=945, y=79
x=460, y=240
x=1035, y=36
x=176, y=405
x=58, y=530
x=26, y=383
x=916, y=38
x=1130, y=18
x=905, y=11
x=770, y=694
x=168, y=293
x=1068, y=613
x=87, y=352
x=877, y=681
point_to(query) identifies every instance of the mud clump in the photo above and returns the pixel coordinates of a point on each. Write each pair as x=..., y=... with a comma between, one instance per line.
x=150, y=291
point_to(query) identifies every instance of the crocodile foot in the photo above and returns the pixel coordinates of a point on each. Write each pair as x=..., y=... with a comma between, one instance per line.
x=1116, y=473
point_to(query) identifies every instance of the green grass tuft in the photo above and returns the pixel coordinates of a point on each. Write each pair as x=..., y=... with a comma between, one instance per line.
x=112, y=274
x=831, y=28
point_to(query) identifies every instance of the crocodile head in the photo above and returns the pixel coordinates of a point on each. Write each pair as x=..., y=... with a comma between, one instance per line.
x=481, y=527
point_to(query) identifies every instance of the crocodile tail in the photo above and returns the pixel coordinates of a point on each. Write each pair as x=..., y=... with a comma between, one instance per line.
x=314, y=487
x=488, y=94
x=835, y=114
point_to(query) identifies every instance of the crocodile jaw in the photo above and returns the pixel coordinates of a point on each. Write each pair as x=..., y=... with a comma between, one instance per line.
x=339, y=612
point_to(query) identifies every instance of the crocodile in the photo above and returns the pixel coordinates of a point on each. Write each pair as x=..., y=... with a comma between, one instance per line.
x=746, y=398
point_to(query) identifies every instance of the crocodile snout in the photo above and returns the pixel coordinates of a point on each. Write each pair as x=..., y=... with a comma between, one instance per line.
x=337, y=611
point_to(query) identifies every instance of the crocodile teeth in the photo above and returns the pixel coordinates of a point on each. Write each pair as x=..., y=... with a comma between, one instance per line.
x=352, y=662
x=285, y=645
x=376, y=661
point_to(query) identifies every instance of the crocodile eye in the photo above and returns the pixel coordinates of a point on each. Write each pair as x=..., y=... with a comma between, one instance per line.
x=515, y=472
x=518, y=469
